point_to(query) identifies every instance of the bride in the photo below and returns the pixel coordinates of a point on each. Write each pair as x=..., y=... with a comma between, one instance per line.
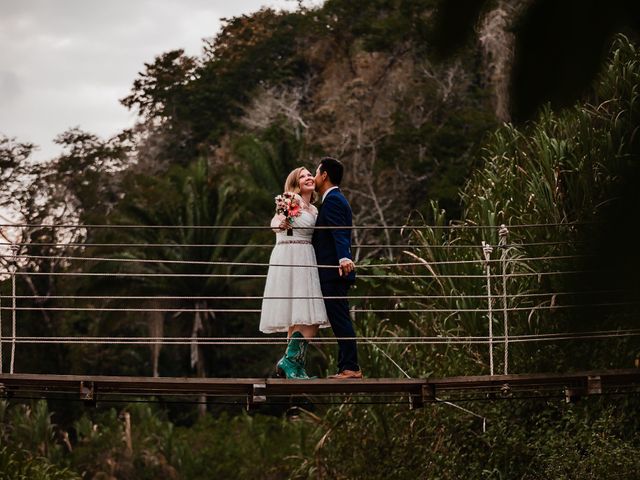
x=292, y=300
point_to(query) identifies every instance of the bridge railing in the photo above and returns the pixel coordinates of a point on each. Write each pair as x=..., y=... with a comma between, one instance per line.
x=487, y=287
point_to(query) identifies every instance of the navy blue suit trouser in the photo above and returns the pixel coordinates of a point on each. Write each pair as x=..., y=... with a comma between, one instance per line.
x=338, y=313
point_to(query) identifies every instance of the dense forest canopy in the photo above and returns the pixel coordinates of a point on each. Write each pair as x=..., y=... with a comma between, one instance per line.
x=445, y=116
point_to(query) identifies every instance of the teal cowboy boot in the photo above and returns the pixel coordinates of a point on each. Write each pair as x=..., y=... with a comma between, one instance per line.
x=301, y=361
x=292, y=364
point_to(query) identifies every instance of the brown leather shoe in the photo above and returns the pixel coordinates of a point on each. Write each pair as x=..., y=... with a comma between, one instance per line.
x=346, y=374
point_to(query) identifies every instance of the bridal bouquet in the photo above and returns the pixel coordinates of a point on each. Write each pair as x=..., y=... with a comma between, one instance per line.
x=287, y=204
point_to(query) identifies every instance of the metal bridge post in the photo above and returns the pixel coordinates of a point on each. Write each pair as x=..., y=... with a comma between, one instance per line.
x=486, y=250
x=13, y=268
x=257, y=396
x=1, y=340
x=503, y=234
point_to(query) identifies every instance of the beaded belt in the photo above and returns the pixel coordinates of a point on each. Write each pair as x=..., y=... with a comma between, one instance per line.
x=299, y=242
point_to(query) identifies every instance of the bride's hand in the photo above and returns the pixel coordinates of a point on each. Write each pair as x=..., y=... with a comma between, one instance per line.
x=284, y=225
x=279, y=223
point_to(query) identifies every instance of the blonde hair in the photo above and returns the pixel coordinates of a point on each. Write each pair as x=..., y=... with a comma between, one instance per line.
x=292, y=183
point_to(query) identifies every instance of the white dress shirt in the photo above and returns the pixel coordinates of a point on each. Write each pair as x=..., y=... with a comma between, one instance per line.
x=324, y=195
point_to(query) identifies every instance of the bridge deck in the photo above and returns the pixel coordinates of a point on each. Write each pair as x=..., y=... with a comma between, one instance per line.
x=257, y=390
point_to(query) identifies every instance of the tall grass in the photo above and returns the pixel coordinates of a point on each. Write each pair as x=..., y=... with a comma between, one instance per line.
x=562, y=170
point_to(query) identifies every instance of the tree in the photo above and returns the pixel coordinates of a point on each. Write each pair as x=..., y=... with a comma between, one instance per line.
x=48, y=200
x=197, y=101
x=560, y=47
x=186, y=202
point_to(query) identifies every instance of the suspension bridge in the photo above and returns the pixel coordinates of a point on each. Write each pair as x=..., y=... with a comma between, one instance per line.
x=478, y=290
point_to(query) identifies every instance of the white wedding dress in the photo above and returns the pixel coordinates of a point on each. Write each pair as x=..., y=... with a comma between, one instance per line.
x=288, y=290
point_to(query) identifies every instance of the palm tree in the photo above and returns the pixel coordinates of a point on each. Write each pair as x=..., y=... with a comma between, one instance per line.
x=263, y=160
x=185, y=200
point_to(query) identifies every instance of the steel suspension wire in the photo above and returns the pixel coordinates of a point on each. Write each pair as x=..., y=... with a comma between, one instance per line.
x=270, y=245
x=262, y=264
x=268, y=227
x=240, y=275
x=451, y=404
x=381, y=340
x=489, y=309
x=348, y=297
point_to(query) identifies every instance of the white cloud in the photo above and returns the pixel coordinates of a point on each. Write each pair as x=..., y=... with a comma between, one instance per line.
x=10, y=87
x=66, y=63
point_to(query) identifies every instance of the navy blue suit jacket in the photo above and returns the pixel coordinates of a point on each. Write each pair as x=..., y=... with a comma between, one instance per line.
x=332, y=244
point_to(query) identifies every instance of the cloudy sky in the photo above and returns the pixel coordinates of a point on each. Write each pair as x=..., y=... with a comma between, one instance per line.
x=66, y=63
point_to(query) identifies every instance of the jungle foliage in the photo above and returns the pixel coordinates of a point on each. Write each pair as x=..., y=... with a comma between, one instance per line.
x=420, y=138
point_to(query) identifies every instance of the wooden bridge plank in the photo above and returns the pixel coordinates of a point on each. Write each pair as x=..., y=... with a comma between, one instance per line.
x=275, y=386
x=536, y=379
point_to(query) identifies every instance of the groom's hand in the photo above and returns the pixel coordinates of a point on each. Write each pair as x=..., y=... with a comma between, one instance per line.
x=346, y=267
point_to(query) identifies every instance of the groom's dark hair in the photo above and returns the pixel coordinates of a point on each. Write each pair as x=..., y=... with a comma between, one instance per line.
x=334, y=169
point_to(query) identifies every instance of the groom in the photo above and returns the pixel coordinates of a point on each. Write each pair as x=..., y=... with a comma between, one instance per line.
x=333, y=247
